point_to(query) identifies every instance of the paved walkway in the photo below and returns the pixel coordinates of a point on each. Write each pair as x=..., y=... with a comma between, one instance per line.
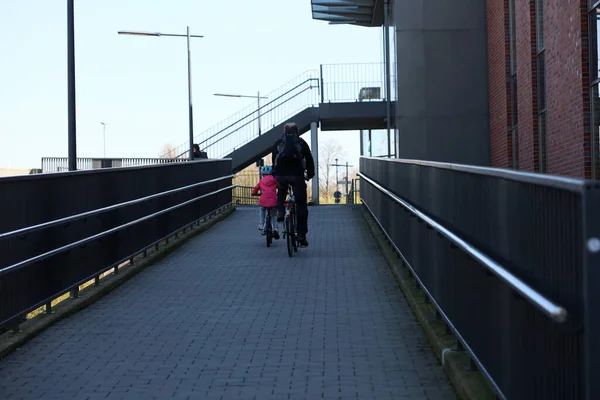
x=225, y=317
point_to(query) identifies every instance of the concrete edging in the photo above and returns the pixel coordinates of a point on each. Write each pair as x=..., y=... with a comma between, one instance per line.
x=10, y=341
x=468, y=383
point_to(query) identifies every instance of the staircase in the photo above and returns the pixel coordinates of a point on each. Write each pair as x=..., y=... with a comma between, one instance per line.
x=235, y=137
x=249, y=135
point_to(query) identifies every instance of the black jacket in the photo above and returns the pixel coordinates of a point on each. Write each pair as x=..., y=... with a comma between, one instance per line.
x=294, y=168
x=201, y=154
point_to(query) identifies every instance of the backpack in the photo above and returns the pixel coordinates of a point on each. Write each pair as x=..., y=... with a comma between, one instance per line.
x=289, y=148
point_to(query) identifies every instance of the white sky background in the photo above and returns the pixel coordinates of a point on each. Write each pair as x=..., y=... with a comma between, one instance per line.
x=138, y=85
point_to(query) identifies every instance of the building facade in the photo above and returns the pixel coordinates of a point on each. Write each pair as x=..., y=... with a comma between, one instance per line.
x=501, y=83
x=543, y=70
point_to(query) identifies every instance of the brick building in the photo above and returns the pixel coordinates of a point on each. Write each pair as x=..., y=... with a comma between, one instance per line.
x=542, y=72
x=506, y=83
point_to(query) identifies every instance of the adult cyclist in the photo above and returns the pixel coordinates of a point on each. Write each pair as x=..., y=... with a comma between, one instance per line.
x=291, y=156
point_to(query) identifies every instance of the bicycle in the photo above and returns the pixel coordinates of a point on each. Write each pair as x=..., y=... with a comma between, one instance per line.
x=290, y=231
x=268, y=228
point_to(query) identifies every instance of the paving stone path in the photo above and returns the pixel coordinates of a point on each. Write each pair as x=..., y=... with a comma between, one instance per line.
x=225, y=317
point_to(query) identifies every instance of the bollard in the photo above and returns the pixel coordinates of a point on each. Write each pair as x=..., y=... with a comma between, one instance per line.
x=74, y=293
x=97, y=280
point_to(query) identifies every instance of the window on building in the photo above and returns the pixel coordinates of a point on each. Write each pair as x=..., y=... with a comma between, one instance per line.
x=541, y=85
x=514, y=106
x=593, y=55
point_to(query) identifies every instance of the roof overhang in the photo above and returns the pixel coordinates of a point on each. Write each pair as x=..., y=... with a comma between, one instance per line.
x=349, y=12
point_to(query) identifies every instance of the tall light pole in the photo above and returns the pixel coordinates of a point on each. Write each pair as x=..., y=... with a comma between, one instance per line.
x=189, y=60
x=71, y=85
x=257, y=97
x=71, y=105
x=104, y=137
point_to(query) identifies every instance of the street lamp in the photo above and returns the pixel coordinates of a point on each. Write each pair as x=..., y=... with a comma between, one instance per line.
x=188, y=36
x=72, y=107
x=257, y=97
x=104, y=136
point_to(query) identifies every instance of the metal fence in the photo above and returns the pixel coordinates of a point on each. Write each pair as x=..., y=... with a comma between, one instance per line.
x=61, y=230
x=243, y=195
x=354, y=195
x=61, y=164
x=511, y=262
x=352, y=82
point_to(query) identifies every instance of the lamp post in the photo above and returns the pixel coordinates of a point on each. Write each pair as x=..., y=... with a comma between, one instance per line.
x=104, y=136
x=257, y=97
x=72, y=139
x=188, y=36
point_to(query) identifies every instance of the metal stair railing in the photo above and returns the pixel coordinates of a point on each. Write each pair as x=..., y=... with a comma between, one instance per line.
x=242, y=127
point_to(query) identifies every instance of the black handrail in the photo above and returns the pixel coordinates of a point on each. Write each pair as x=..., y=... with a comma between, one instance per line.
x=249, y=122
x=555, y=312
x=29, y=229
x=257, y=110
x=100, y=235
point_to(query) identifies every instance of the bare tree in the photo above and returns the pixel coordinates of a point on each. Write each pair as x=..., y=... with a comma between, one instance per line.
x=328, y=152
x=168, y=151
x=248, y=177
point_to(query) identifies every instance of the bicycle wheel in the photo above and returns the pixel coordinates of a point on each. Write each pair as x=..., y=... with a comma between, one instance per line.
x=290, y=236
x=295, y=233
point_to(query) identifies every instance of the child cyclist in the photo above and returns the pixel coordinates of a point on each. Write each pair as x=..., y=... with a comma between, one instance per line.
x=268, y=198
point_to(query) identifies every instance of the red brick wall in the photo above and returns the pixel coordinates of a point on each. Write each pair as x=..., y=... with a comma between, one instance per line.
x=499, y=83
x=567, y=86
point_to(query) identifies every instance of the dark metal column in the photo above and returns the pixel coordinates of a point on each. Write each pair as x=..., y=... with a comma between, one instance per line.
x=71, y=85
x=191, y=110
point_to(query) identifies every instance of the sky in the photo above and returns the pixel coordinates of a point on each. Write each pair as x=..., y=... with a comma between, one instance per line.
x=138, y=85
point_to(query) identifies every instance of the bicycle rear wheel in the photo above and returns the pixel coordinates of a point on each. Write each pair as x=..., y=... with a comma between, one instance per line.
x=289, y=228
x=295, y=235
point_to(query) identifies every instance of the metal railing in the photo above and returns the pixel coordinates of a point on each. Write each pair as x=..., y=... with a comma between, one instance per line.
x=332, y=83
x=344, y=82
x=79, y=225
x=243, y=195
x=61, y=164
x=242, y=127
x=502, y=257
